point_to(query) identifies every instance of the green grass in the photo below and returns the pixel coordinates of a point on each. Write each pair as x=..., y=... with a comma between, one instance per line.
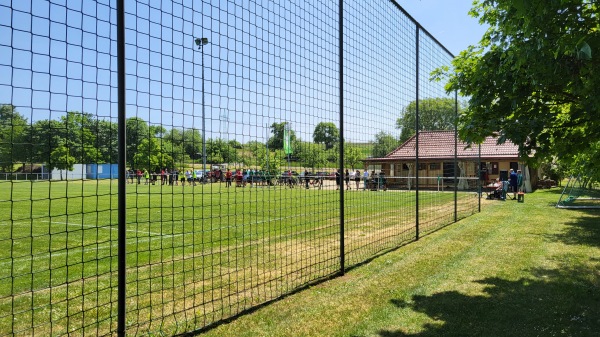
x=515, y=269
x=195, y=254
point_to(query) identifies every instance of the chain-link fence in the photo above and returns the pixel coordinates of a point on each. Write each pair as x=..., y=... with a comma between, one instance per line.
x=265, y=145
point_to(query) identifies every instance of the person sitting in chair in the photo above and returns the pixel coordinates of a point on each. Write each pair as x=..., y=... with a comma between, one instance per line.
x=498, y=191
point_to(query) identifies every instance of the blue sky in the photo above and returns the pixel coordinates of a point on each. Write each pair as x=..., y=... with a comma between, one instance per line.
x=447, y=20
x=267, y=61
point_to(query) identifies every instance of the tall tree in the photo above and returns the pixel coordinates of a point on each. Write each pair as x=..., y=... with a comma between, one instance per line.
x=276, y=140
x=533, y=77
x=435, y=114
x=384, y=144
x=13, y=133
x=192, y=142
x=352, y=156
x=137, y=131
x=220, y=151
x=189, y=139
x=152, y=155
x=326, y=133
x=43, y=137
x=107, y=139
x=61, y=158
x=77, y=134
x=271, y=161
x=312, y=155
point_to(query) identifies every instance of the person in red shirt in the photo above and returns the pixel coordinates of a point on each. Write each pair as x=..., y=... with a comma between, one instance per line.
x=228, y=178
x=238, y=178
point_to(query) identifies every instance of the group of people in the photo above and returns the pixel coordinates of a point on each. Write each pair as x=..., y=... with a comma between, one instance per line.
x=514, y=184
x=243, y=177
x=167, y=177
x=164, y=176
x=373, y=181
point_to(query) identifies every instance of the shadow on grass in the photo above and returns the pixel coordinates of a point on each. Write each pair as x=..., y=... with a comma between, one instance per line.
x=563, y=302
x=585, y=230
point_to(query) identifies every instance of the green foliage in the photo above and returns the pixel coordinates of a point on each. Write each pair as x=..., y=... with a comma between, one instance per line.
x=352, y=156
x=276, y=141
x=585, y=163
x=152, y=155
x=137, y=132
x=107, y=139
x=434, y=114
x=554, y=170
x=76, y=132
x=235, y=144
x=62, y=159
x=188, y=140
x=13, y=132
x=533, y=78
x=326, y=133
x=384, y=144
x=312, y=155
x=43, y=139
x=271, y=161
x=220, y=151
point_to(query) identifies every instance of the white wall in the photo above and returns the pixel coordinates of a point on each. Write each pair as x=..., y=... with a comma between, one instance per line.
x=78, y=172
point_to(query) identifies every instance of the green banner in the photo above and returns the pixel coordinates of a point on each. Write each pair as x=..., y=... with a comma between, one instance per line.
x=287, y=142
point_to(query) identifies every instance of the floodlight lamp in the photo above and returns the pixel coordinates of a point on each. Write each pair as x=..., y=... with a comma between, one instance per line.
x=201, y=41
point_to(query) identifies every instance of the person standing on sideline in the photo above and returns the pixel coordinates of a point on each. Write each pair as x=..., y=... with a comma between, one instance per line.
x=138, y=174
x=365, y=180
x=175, y=175
x=228, y=178
x=306, y=179
x=338, y=179
x=146, y=176
x=519, y=181
x=188, y=176
x=347, y=179
x=513, y=183
x=357, y=179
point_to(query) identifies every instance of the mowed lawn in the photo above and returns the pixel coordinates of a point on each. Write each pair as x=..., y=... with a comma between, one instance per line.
x=515, y=269
x=202, y=251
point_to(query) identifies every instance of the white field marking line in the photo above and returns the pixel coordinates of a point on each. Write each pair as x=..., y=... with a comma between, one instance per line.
x=104, y=246
x=104, y=227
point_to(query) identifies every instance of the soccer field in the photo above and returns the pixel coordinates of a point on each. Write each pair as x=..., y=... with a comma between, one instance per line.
x=195, y=254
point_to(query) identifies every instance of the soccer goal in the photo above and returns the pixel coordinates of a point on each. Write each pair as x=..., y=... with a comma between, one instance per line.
x=580, y=192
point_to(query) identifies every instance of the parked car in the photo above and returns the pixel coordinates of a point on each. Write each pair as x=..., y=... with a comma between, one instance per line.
x=202, y=175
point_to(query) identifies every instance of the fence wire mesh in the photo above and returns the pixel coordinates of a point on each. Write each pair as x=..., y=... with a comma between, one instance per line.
x=236, y=191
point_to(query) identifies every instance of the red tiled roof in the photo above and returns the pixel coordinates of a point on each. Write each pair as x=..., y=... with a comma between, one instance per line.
x=440, y=145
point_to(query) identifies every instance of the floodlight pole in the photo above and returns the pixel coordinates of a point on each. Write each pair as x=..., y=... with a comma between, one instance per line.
x=201, y=42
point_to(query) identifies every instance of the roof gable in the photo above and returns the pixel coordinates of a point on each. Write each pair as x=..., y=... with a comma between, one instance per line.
x=440, y=144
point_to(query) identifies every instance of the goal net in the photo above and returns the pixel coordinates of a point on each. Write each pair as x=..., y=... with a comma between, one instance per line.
x=580, y=192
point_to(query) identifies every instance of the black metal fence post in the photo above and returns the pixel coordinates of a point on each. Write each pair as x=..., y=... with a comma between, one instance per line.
x=341, y=139
x=417, y=134
x=122, y=198
x=479, y=180
x=456, y=156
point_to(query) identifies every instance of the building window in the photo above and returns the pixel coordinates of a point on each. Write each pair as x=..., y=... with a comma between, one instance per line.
x=434, y=166
x=494, y=167
x=422, y=166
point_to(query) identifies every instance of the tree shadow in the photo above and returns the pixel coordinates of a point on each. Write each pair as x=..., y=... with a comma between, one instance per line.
x=563, y=302
x=584, y=231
